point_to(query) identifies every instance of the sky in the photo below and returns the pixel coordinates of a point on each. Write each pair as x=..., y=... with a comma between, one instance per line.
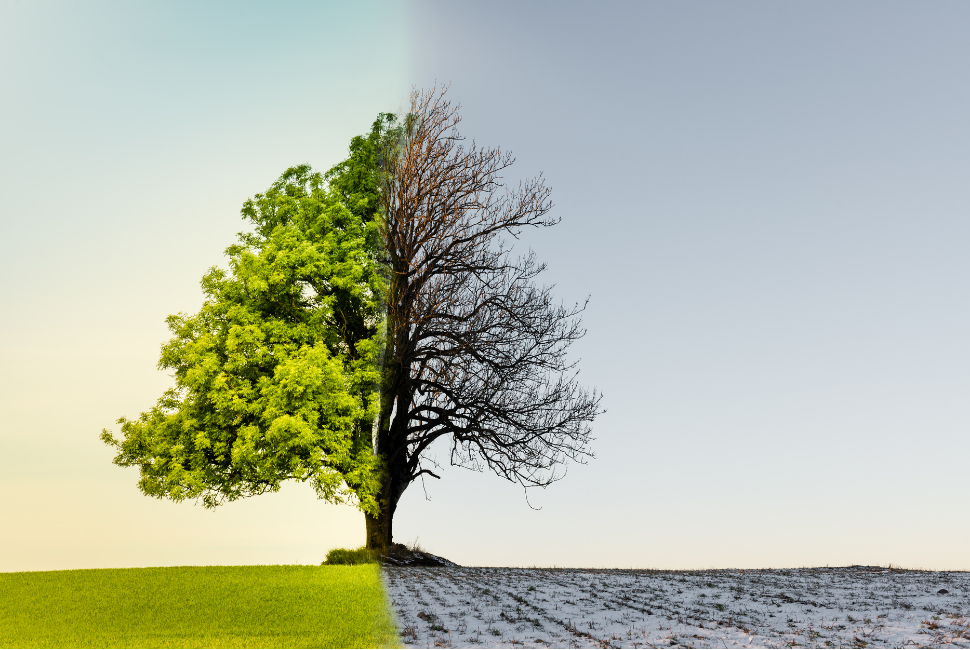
x=766, y=204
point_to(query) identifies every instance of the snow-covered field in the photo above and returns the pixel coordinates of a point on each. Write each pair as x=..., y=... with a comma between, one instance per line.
x=567, y=608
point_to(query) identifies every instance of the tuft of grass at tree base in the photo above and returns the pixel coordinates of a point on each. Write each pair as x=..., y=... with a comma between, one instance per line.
x=197, y=607
x=350, y=556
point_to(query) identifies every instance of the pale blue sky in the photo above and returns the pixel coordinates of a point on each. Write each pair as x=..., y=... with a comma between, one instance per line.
x=767, y=204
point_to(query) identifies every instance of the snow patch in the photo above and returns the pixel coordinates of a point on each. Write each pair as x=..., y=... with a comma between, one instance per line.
x=598, y=608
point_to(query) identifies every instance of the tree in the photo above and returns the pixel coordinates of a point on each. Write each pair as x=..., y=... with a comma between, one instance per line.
x=475, y=350
x=277, y=376
x=374, y=310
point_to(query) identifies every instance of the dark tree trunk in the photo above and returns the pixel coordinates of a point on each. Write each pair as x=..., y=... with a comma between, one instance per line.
x=379, y=534
x=380, y=531
x=390, y=442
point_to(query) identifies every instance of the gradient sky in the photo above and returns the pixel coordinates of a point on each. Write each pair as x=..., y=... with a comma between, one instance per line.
x=766, y=202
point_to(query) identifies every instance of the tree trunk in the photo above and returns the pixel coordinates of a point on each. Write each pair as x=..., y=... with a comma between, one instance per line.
x=389, y=447
x=379, y=530
x=394, y=480
x=380, y=526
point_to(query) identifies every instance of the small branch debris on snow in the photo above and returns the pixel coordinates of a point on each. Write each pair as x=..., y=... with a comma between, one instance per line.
x=604, y=608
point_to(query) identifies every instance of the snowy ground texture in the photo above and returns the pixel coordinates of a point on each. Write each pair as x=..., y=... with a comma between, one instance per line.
x=590, y=608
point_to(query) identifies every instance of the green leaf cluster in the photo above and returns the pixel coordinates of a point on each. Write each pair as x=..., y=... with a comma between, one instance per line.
x=277, y=376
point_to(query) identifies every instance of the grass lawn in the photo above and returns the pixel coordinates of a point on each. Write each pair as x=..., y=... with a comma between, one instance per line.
x=197, y=607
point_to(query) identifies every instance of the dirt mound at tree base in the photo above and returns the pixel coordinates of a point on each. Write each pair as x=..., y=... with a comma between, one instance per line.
x=401, y=555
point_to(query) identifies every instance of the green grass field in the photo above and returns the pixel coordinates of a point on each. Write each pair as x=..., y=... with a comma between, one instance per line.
x=197, y=607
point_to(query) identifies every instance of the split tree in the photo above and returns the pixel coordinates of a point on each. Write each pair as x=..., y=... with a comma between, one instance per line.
x=375, y=309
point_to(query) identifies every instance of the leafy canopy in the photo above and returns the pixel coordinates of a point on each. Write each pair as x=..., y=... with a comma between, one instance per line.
x=277, y=375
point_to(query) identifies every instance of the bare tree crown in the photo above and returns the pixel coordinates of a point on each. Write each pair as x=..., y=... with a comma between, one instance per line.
x=479, y=347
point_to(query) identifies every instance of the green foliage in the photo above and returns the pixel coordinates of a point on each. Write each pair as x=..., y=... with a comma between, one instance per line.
x=351, y=556
x=196, y=607
x=277, y=375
